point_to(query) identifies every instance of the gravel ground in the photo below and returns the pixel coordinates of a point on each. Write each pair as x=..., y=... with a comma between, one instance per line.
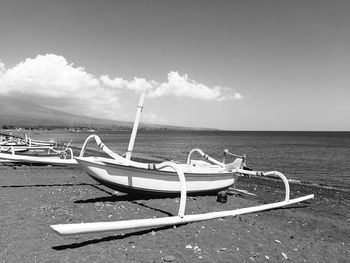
x=35, y=197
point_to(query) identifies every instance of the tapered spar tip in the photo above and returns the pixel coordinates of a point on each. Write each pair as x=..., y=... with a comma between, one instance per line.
x=56, y=229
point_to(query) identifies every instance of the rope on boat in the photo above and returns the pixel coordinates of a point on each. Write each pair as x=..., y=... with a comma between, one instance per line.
x=152, y=166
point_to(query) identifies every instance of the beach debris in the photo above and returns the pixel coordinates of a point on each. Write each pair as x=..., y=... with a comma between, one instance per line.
x=235, y=191
x=221, y=197
x=267, y=257
x=284, y=255
x=169, y=258
x=294, y=181
x=195, y=248
x=277, y=241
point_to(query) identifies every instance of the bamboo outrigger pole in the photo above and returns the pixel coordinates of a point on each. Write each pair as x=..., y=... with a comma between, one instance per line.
x=136, y=125
x=181, y=218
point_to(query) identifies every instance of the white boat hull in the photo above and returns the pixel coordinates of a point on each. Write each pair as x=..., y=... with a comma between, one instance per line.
x=131, y=179
x=7, y=157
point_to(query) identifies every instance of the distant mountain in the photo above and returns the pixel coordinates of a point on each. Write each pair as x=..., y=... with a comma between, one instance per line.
x=20, y=113
x=23, y=114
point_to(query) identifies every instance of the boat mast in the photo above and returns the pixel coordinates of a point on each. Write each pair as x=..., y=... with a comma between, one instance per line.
x=136, y=125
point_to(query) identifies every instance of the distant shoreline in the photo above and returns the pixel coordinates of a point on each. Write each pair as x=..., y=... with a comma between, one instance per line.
x=149, y=127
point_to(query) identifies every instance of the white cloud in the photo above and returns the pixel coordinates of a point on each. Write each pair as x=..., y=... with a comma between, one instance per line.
x=2, y=69
x=237, y=96
x=183, y=86
x=177, y=85
x=137, y=84
x=48, y=75
x=51, y=81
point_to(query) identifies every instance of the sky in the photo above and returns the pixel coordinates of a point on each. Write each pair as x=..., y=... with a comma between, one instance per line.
x=233, y=65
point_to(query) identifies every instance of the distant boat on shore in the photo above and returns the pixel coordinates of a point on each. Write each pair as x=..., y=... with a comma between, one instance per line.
x=90, y=129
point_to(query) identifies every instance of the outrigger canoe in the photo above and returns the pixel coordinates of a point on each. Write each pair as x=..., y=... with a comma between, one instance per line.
x=17, y=149
x=37, y=155
x=9, y=139
x=194, y=177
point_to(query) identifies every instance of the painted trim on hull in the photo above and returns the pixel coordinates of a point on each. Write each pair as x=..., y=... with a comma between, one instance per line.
x=215, y=173
x=140, y=191
x=210, y=176
x=33, y=154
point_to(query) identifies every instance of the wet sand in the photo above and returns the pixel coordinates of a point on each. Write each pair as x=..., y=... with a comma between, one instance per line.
x=34, y=197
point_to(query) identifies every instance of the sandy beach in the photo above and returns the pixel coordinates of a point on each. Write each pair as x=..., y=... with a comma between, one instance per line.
x=34, y=197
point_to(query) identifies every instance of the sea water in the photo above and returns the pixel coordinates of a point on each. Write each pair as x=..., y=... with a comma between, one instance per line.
x=321, y=158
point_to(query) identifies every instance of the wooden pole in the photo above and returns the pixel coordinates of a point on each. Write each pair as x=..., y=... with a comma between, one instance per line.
x=136, y=125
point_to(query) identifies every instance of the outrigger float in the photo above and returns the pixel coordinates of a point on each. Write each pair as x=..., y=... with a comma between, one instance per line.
x=167, y=178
